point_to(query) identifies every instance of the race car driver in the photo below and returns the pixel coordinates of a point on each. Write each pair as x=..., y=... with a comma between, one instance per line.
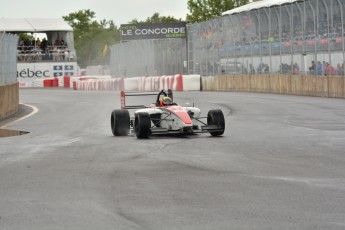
x=165, y=101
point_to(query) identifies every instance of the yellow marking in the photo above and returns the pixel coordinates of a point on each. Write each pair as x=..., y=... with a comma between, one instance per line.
x=34, y=110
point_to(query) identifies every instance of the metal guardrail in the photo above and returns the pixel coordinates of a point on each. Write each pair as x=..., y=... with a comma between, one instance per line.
x=8, y=58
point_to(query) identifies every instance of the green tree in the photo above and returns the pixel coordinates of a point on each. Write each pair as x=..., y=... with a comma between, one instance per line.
x=156, y=18
x=204, y=10
x=92, y=39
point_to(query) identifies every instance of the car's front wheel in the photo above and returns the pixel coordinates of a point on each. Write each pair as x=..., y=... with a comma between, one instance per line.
x=142, y=125
x=120, y=121
x=216, y=117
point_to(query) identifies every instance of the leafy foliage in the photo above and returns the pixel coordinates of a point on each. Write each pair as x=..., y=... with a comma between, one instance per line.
x=91, y=38
x=156, y=18
x=203, y=10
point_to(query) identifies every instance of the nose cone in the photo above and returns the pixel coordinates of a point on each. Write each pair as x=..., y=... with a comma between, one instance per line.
x=182, y=114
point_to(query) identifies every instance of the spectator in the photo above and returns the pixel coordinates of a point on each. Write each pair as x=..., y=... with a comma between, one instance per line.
x=21, y=44
x=56, y=54
x=62, y=42
x=312, y=68
x=285, y=68
x=329, y=70
x=66, y=55
x=19, y=55
x=57, y=42
x=251, y=69
x=38, y=42
x=319, y=68
x=71, y=55
x=295, y=69
x=260, y=68
x=27, y=42
x=324, y=68
x=44, y=44
x=340, y=70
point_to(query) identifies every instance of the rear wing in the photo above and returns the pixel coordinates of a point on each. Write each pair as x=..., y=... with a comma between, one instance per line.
x=125, y=94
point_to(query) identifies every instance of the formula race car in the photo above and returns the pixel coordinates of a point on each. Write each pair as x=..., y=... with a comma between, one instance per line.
x=164, y=117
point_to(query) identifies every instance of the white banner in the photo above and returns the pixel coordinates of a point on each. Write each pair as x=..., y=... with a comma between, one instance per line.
x=27, y=73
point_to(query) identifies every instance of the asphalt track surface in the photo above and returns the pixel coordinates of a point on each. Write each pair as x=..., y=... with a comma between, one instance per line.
x=280, y=165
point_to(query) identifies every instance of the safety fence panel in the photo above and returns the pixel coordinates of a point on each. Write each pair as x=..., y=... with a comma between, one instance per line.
x=8, y=58
x=149, y=58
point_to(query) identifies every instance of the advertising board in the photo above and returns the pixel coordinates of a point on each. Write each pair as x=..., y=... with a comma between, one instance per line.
x=153, y=31
x=27, y=73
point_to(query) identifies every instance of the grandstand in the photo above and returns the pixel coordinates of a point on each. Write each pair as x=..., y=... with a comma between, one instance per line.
x=285, y=36
x=51, y=55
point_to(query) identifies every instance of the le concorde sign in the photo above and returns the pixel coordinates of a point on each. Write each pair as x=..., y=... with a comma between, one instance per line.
x=153, y=31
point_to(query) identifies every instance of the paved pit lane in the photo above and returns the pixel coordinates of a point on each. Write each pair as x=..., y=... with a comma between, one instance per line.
x=279, y=165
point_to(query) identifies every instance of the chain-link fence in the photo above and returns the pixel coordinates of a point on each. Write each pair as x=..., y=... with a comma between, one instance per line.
x=8, y=58
x=304, y=37
x=149, y=58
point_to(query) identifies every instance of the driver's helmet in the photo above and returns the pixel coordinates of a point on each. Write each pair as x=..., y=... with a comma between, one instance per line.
x=164, y=101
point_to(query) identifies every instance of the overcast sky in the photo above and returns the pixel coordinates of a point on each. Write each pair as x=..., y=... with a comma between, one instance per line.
x=120, y=11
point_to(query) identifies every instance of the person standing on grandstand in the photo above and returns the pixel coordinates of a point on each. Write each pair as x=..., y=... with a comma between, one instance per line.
x=57, y=42
x=62, y=42
x=44, y=44
x=38, y=42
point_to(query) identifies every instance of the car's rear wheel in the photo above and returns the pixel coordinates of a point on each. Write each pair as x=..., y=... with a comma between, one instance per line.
x=120, y=121
x=216, y=117
x=142, y=125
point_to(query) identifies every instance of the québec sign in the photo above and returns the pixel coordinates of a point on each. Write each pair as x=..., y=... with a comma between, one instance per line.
x=27, y=73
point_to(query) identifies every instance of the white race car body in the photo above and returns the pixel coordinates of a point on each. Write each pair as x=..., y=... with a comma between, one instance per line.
x=174, y=117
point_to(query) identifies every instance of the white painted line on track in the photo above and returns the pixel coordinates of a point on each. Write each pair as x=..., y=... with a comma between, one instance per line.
x=34, y=111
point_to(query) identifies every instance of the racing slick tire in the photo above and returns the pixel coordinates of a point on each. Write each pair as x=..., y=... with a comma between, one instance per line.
x=216, y=117
x=142, y=125
x=120, y=122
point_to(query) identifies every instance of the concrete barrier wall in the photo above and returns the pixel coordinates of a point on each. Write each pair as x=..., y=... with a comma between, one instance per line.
x=9, y=100
x=324, y=86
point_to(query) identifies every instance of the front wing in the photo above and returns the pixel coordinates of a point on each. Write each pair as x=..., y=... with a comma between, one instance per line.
x=185, y=131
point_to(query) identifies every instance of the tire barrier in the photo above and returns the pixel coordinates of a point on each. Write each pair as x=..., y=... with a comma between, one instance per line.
x=47, y=83
x=159, y=83
x=151, y=83
x=114, y=84
x=53, y=82
x=67, y=82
